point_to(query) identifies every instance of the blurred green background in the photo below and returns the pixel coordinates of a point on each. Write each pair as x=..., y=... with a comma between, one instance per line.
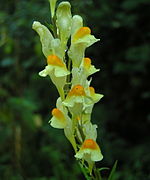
x=29, y=147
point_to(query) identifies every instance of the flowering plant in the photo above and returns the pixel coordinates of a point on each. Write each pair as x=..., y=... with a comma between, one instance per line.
x=68, y=68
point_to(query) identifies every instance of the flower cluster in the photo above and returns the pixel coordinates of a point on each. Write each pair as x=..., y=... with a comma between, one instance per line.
x=68, y=68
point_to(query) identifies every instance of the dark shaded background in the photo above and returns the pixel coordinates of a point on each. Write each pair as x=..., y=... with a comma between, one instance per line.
x=29, y=147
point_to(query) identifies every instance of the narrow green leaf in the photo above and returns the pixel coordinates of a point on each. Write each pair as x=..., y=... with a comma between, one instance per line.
x=112, y=171
x=103, y=168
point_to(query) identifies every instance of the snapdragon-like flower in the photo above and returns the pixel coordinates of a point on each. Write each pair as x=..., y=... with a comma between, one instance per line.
x=89, y=69
x=57, y=71
x=58, y=120
x=76, y=99
x=55, y=66
x=95, y=98
x=80, y=40
x=61, y=120
x=89, y=151
x=80, y=74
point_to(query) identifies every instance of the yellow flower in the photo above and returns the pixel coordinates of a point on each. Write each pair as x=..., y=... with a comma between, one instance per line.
x=57, y=71
x=80, y=40
x=89, y=151
x=79, y=75
x=95, y=97
x=60, y=116
x=76, y=99
x=61, y=120
x=88, y=68
x=58, y=120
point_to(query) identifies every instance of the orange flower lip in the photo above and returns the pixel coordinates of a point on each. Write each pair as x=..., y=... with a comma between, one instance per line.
x=54, y=60
x=89, y=144
x=77, y=90
x=57, y=113
x=83, y=31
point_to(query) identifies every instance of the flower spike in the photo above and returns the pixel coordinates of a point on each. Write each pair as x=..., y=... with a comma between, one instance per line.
x=69, y=70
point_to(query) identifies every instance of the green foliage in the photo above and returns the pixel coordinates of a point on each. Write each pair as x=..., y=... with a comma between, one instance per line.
x=29, y=148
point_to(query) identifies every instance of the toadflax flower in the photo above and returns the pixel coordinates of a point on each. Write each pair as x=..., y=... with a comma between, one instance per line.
x=61, y=120
x=80, y=40
x=57, y=71
x=76, y=99
x=89, y=151
x=89, y=69
x=80, y=75
x=58, y=120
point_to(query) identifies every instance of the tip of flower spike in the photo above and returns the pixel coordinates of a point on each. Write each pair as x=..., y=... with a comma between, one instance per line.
x=89, y=144
x=87, y=63
x=77, y=90
x=54, y=60
x=35, y=24
x=83, y=31
x=57, y=113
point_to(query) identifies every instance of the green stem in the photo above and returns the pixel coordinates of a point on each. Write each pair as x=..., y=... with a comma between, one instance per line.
x=97, y=174
x=61, y=93
x=84, y=172
x=54, y=27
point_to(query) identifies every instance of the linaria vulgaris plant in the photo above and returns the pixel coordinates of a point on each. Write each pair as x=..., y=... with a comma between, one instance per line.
x=67, y=66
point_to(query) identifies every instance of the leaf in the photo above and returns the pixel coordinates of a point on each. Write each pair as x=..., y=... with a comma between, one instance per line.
x=112, y=171
x=103, y=168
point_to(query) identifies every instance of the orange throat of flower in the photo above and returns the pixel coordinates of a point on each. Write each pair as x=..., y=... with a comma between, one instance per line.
x=83, y=31
x=55, y=61
x=87, y=63
x=77, y=90
x=90, y=144
x=57, y=113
